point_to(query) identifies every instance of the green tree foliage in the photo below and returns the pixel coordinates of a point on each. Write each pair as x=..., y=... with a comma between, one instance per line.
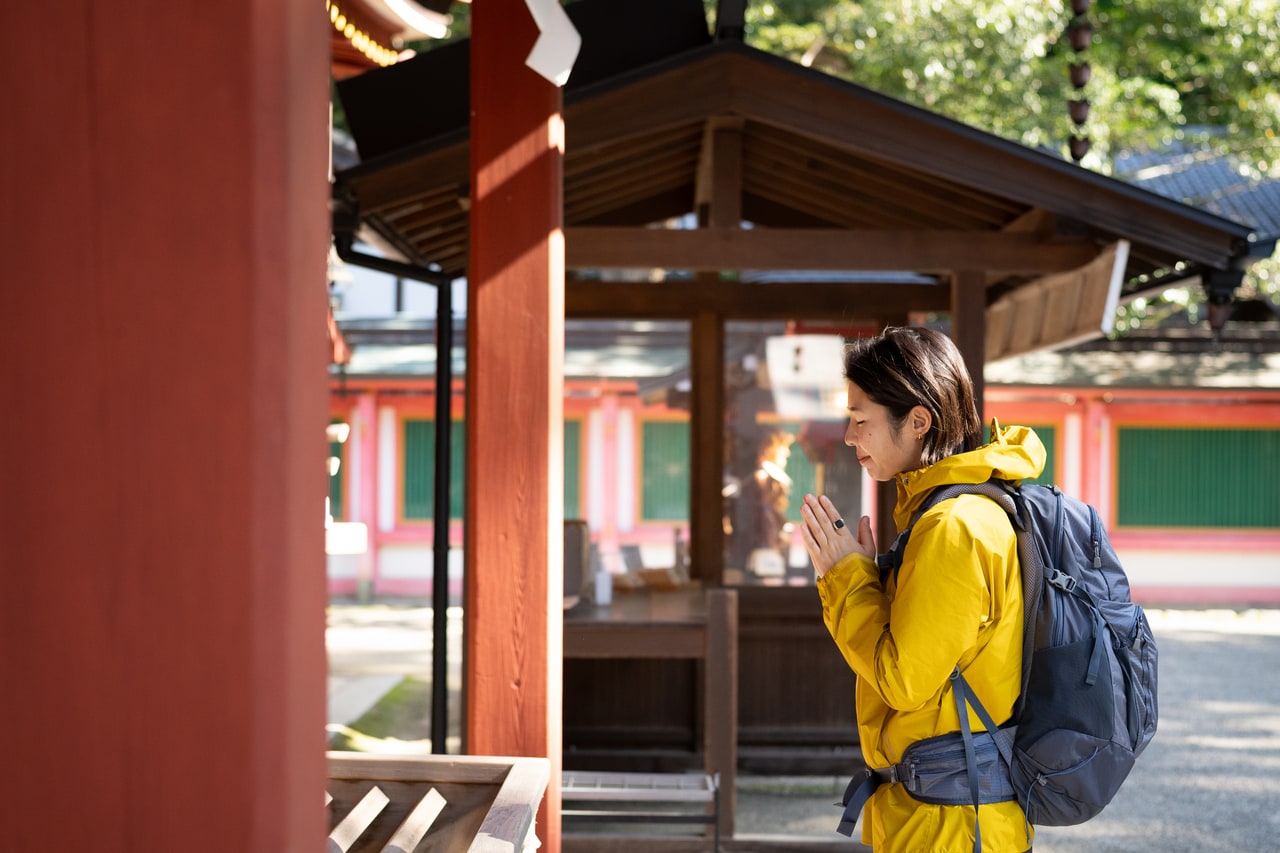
x=1204, y=72
x=1159, y=70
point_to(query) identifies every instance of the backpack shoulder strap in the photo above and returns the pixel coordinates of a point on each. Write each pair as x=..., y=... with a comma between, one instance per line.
x=998, y=490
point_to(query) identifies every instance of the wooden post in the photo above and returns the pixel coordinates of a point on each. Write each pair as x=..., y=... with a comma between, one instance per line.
x=720, y=696
x=969, y=325
x=515, y=388
x=887, y=491
x=719, y=202
x=163, y=612
x=707, y=440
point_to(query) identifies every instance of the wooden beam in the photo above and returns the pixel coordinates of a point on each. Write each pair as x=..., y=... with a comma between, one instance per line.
x=709, y=249
x=730, y=19
x=968, y=325
x=387, y=184
x=515, y=492
x=719, y=181
x=744, y=301
x=1036, y=221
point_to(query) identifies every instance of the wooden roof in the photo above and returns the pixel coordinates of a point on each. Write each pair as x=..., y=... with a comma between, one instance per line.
x=787, y=168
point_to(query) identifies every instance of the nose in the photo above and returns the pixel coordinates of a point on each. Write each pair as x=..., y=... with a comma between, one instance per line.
x=850, y=434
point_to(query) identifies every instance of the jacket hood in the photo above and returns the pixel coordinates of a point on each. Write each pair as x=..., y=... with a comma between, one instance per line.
x=1015, y=453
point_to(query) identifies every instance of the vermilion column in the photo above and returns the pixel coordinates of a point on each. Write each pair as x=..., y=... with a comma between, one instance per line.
x=164, y=364
x=515, y=343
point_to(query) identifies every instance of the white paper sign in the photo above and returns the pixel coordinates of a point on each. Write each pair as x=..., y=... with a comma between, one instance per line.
x=557, y=47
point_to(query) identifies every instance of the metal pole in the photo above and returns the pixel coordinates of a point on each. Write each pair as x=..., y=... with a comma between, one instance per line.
x=440, y=545
x=343, y=239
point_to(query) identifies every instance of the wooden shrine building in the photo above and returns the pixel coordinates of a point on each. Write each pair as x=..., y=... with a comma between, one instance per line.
x=709, y=182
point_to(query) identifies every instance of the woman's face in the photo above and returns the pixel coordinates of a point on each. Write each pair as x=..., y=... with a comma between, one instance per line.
x=884, y=451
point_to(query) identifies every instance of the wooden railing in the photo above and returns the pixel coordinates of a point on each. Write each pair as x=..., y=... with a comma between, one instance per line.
x=445, y=804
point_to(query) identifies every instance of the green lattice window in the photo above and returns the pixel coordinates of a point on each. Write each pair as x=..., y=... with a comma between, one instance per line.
x=1198, y=477
x=418, y=483
x=337, y=508
x=664, y=470
x=573, y=469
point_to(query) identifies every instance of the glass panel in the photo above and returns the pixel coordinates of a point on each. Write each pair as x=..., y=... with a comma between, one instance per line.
x=784, y=435
x=626, y=412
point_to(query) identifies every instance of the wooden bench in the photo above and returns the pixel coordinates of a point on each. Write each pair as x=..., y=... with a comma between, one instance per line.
x=639, y=790
x=445, y=804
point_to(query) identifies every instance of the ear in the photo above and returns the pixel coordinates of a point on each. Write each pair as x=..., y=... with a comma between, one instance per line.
x=919, y=421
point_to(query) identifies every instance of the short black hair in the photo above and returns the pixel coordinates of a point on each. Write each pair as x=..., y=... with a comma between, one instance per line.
x=909, y=366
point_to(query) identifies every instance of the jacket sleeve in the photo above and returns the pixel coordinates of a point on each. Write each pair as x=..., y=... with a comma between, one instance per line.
x=855, y=610
x=905, y=645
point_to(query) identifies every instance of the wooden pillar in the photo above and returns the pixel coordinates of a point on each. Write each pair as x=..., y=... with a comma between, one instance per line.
x=719, y=204
x=969, y=325
x=887, y=492
x=164, y=359
x=515, y=389
x=706, y=420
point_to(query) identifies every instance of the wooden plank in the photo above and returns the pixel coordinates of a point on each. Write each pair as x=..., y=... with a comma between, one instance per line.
x=1059, y=309
x=602, y=786
x=391, y=182
x=414, y=827
x=999, y=328
x=720, y=698
x=802, y=161
x=466, y=769
x=848, y=303
x=1037, y=220
x=510, y=821
x=660, y=641
x=357, y=821
x=672, y=97
x=623, y=188
x=923, y=251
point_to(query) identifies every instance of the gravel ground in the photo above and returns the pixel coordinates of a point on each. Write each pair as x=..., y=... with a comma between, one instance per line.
x=1210, y=781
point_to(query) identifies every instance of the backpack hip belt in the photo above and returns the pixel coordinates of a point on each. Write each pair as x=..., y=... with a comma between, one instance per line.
x=936, y=770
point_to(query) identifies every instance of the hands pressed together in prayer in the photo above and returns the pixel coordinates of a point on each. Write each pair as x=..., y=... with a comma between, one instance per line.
x=828, y=538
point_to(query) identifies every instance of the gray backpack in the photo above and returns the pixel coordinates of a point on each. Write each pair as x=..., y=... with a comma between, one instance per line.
x=1088, y=705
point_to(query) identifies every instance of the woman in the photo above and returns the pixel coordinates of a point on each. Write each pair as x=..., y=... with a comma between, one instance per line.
x=955, y=601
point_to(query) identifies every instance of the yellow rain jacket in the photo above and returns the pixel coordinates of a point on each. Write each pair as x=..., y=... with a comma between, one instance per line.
x=957, y=600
